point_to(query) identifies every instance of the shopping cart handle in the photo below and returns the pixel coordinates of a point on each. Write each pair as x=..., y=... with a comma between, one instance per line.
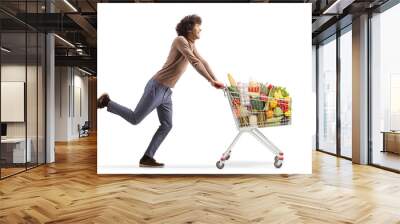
x=225, y=89
x=219, y=85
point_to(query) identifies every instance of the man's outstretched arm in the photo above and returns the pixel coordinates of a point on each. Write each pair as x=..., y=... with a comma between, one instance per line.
x=183, y=46
x=206, y=65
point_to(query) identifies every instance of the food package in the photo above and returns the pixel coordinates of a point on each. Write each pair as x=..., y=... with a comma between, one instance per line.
x=253, y=120
x=244, y=95
x=231, y=80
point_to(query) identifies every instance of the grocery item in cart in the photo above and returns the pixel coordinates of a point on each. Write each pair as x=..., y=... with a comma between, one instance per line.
x=253, y=120
x=243, y=92
x=231, y=80
x=259, y=104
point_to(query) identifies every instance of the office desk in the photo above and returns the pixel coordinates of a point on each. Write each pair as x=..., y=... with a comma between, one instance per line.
x=13, y=150
x=391, y=141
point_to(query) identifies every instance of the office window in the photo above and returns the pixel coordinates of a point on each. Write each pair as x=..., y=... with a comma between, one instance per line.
x=327, y=96
x=385, y=88
x=346, y=93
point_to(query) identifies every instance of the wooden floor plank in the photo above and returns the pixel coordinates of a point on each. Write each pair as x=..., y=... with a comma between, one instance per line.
x=70, y=191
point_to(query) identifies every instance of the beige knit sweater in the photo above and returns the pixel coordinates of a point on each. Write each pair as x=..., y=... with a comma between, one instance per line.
x=182, y=52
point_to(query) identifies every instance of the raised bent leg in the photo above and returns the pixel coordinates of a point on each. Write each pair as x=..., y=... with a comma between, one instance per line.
x=148, y=102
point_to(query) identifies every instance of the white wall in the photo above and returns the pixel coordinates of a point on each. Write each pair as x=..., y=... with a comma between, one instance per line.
x=61, y=103
x=34, y=125
x=79, y=117
x=70, y=83
x=16, y=73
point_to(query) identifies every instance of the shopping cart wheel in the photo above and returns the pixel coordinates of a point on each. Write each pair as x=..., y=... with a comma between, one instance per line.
x=220, y=164
x=278, y=163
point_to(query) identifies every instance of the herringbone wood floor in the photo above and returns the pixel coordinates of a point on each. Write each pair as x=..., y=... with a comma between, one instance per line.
x=70, y=191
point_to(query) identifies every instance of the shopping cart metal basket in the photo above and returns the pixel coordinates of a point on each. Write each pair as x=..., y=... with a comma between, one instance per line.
x=251, y=112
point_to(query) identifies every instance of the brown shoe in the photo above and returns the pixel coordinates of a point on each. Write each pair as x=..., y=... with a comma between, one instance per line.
x=103, y=100
x=147, y=161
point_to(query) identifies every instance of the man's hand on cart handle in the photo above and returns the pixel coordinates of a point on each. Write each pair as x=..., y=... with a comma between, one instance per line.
x=217, y=84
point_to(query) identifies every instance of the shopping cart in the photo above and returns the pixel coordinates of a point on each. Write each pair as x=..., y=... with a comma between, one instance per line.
x=250, y=112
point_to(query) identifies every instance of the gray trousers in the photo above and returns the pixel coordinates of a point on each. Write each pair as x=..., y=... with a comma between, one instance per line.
x=157, y=96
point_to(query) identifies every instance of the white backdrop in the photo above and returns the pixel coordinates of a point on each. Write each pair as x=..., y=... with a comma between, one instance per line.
x=265, y=42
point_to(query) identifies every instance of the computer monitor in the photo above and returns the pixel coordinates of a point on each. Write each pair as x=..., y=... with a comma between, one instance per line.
x=3, y=129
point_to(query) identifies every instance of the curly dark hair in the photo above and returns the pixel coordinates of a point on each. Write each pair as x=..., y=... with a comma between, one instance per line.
x=186, y=24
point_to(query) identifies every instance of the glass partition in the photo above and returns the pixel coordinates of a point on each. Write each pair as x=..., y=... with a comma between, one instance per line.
x=22, y=67
x=14, y=153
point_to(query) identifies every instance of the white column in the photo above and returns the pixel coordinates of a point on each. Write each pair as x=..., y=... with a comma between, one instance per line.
x=360, y=90
x=50, y=93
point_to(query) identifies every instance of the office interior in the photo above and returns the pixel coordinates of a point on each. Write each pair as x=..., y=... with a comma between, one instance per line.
x=48, y=83
x=48, y=75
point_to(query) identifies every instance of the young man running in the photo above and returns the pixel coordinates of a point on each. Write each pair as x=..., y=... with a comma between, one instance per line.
x=157, y=93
